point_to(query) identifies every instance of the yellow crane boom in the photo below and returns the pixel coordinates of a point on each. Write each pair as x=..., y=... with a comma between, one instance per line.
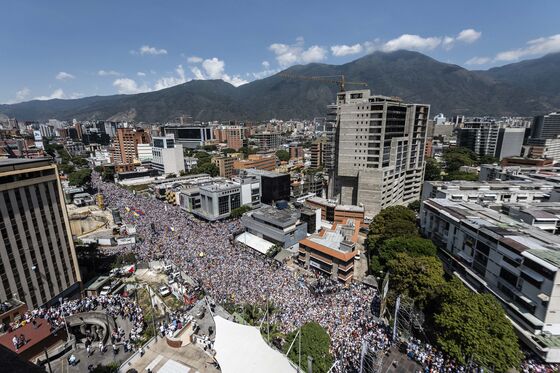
x=341, y=81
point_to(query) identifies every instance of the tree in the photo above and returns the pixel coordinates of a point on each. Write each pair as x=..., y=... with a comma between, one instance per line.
x=419, y=278
x=206, y=168
x=474, y=326
x=67, y=169
x=227, y=151
x=391, y=222
x=413, y=246
x=456, y=157
x=415, y=206
x=283, y=155
x=271, y=253
x=171, y=176
x=315, y=342
x=238, y=212
x=108, y=174
x=79, y=161
x=98, y=169
x=80, y=177
x=182, y=173
x=487, y=159
x=433, y=170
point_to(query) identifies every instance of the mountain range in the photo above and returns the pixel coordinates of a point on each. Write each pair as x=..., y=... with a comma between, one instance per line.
x=520, y=89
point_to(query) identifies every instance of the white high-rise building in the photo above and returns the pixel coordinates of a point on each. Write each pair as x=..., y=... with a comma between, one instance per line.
x=167, y=156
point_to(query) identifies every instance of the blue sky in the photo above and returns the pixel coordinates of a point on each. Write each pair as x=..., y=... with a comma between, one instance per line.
x=67, y=49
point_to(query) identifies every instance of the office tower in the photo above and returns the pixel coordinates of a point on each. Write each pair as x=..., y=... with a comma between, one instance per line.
x=191, y=136
x=274, y=186
x=167, y=156
x=509, y=142
x=379, y=154
x=38, y=261
x=546, y=126
x=479, y=135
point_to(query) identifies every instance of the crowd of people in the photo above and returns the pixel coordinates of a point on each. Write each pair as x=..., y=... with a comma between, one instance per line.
x=234, y=274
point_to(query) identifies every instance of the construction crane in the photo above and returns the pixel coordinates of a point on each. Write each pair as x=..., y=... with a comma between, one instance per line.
x=341, y=81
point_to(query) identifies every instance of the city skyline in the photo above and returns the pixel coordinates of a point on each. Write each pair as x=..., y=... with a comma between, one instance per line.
x=75, y=50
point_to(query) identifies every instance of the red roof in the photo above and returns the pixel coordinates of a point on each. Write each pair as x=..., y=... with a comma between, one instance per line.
x=32, y=336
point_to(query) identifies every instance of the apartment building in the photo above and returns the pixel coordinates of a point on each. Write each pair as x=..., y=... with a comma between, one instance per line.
x=256, y=161
x=331, y=251
x=319, y=149
x=125, y=145
x=225, y=165
x=379, y=155
x=39, y=263
x=492, y=192
x=268, y=140
x=515, y=262
x=485, y=137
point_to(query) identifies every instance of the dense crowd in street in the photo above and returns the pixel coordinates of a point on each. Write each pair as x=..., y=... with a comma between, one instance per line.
x=234, y=274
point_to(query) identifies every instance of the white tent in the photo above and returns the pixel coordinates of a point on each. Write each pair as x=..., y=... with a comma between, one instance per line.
x=241, y=348
x=254, y=242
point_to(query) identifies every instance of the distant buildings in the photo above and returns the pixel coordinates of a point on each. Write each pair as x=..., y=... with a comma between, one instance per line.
x=296, y=151
x=379, y=157
x=486, y=137
x=546, y=126
x=268, y=140
x=167, y=156
x=39, y=264
x=319, y=149
x=233, y=136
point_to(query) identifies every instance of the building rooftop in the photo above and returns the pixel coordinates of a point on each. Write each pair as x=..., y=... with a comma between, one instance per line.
x=282, y=218
x=13, y=164
x=519, y=236
x=254, y=171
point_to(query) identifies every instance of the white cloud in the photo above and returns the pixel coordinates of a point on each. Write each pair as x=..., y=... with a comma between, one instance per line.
x=289, y=54
x=266, y=64
x=22, y=94
x=108, y=73
x=64, y=76
x=412, y=42
x=478, y=61
x=345, y=50
x=128, y=86
x=140, y=73
x=57, y=93
x=469, y=36
x=540, y=46
x=214, y=68
x=170, y=81
x=194, y=59
x=148, y=50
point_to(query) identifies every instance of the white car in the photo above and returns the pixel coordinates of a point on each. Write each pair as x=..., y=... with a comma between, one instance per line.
x=105, y=290
x=164, y=290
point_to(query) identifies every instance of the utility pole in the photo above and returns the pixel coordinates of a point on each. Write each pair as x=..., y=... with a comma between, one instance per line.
x=48, y=361
x=309, y=364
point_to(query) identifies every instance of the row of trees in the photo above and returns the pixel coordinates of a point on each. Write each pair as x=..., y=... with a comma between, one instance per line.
x=467, y=326
x=453, y=160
